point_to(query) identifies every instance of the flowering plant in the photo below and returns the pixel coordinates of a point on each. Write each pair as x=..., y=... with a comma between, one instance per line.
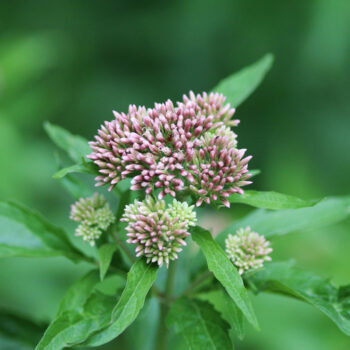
x=165, y=167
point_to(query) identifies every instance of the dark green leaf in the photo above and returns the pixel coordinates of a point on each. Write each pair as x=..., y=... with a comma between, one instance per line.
x=139, y=281
x=23, y=232
x=76, y=146
x=238, y=86
x=105, y=254
x=225, y=272
x=201, y=326
x=285, y=279
x=228, y=310
x=18, y=333
x=328, y=211
x=270, y=200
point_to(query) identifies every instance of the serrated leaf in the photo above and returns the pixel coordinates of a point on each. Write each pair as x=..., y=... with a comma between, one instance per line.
x=225, y=272
x=285, y=279
x=238, y=86
x=24, y=232
x=76, y=146
x=139, y=281
x=270, y=200
x=18, y=333
x=105, y=254
x=201, y=326
x=327, y=212
x=228, y=310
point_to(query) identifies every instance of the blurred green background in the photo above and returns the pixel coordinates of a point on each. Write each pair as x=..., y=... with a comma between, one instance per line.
x=72, y=62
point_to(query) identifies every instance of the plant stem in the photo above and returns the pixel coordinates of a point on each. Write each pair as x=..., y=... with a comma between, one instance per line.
x=197, y=282
x=162, y=333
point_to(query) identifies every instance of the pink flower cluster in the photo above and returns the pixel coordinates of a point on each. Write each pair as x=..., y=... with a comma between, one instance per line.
x=187, y=147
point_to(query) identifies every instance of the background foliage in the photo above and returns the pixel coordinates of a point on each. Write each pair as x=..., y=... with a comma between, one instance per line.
x=73, y=62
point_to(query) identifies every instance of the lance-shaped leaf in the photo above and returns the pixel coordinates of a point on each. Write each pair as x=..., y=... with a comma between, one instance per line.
x=23, y=232
x=105, y=254
x=270, y=200
x=228, y=310
x=238, y=86
x=225, y=272
x=285, y=279
x=327, y=212
x=139, y=281
x=201, y=326
x=76, y=146
x=86, y=168
x=82, y=311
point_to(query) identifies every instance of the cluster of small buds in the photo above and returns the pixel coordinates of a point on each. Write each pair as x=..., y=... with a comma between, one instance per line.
x=94, y=216
x=161, y=148
x=159, y=232
x=247, y=250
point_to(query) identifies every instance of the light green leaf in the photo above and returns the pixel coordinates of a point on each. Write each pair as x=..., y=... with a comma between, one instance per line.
x=270, y=200
x=225, y=272
x=72, y=327
x=105, y=254
x=201, y=326
x=285, y=279
x=238, y=86
x=76, y=168
x=228, y=310
x=254, y=172
x=18, y=333
x=23, y=232
x=139, y=281
x=76, y=146
x=79, y=292
x=75, y=187
x=327, y=212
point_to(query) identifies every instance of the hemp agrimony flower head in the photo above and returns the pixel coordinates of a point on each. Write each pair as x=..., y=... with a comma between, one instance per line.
x=94, y=215
x=158, y=232
x=159, y=148
x=247, y=250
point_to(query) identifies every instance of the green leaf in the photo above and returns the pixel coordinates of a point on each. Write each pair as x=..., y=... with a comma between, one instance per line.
x=225, y=272
x=238, y=86
x=105, y=254
x=86, y=168
x=139, y=281
x=283, y=278
x=228, y=310
x=76, y=146
x=270, y=200
x=201, y=326
x=75, y=187
x=18, y=333
x=327, y=212
x=254, y=172
x=23, y=232
x=79, y=292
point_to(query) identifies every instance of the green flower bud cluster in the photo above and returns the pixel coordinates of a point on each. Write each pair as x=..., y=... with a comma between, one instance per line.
x=94, y=215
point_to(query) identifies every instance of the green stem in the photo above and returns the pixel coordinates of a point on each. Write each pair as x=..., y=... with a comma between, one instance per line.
x=197, y=282
x=162, y=333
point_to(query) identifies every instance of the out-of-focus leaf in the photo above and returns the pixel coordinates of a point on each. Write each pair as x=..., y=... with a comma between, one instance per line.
x=139, y=281
x=76, y=146
x=76, y=168
x=238, y=86
x=285, y=279
x=18, y=333
x=76, y=187
x=24, y=232
x=327, y=212
x=228, y=310
x=225, y=272
x=270, y=200
x=105, y=254
x=254, y=172
x=200, y=325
